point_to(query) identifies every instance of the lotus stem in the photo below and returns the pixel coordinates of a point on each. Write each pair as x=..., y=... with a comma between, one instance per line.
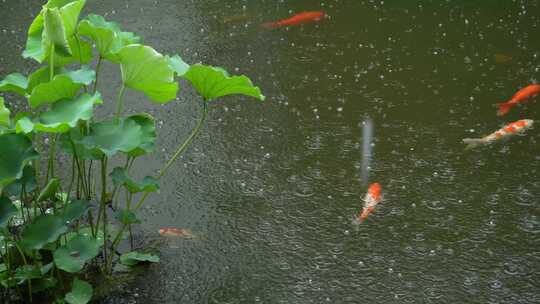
x=98, y=67
x=51, y=63
x=120, y=101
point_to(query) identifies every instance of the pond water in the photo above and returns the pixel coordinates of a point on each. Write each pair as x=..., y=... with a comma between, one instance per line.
x=270, y=188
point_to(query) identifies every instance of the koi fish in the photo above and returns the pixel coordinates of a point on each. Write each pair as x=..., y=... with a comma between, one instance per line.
x=521, y=96
x=176, y=232
x=502, y=58
x=300, y=18
x=510, y=129
x=373, y=198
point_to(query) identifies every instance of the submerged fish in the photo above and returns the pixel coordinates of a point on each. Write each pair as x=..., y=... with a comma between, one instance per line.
x=373, y=198
x=522, y=95
x=300, y=18
x=177, y=232
x=236, y=18
x=502, y=58
x=510, y=129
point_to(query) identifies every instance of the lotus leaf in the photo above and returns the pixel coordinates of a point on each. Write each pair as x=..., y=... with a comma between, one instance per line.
x=148, y=129
x=45, y=229
x=127, y=217
x=5, y=121
x=61, y=87
x=49, y=190
x=146, y=70
x=75, y=253
x=178, y=65
x=81, y=293
x=27, y=272
x=15, y=152
x=28, y=179
x=54, y=32
x=85, y=75
x=212, y=82
x=74, y=210
x=121, y=178
x=108, y=37
x=7, y=211
x=15, y=82
x=63, y=115
x=133, y=258
x=74, y=138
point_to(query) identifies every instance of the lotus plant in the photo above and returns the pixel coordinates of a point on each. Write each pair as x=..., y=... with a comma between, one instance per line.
x=56, y=228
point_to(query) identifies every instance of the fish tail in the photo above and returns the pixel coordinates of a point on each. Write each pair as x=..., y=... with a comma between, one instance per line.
x=472, y=142
x=504, y=107
x=270, y=25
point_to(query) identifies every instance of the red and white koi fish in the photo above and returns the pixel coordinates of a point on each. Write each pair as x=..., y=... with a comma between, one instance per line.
x=300, y=18
x=177, y=232
x=373, y=198
x=522, y=95
x=516, y=127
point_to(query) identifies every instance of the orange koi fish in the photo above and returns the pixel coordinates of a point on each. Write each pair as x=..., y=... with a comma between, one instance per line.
x=296, y=19
x=510, y=129
x=176, y=232
x=373, y=198
x=522, y=95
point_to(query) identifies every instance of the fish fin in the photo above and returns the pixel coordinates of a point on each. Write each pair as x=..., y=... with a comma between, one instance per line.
x=472, y=142
x=504, y=107
x=270, y=25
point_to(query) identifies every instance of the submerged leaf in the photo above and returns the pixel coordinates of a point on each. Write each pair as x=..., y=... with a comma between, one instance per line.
x=5, y=121
x=15, y=152
x=133, y=258
x=61, y=87
x=212, y=82
x=81, y=293
x=72, y=256
x=7, y=211
x=45, y=229
x=63, y=115
x=121, y=178
x=108, y=37
x=146, y=70
x=15, y=82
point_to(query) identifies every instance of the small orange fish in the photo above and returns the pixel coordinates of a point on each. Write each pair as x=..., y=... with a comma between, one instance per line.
x=176, y=232
x=300, y=18
x=522, y=95
x=502, y=58
x=373, y=198
x=510, y=129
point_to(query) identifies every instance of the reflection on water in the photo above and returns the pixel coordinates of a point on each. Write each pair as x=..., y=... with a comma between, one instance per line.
x=367, y=147
x=272, y=185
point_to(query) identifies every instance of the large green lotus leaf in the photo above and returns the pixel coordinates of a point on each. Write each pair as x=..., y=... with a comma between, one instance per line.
x=75, y=253
x=124, y=135
x=54, y=32
x=148, y=139
x=178, y=65
x=28, y=272
x=45, y=229
x=82, y=53
x=212, y=82
x=62, y=86
x=127, y=217
x=5, y=121
x=107, y=36
x=83, y=152
x=146, y=70
x=85, y=75
x=15, y=152
x=7, y=211
x=121, y=178
x=49, y=191
x=70, y=15
x=133, y=258
x=15, y=82
x=63, y=115
x=74, y=210
x=81, y=293
x=28, y=179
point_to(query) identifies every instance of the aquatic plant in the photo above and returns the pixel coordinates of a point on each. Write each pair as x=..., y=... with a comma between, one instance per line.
x=56, y=228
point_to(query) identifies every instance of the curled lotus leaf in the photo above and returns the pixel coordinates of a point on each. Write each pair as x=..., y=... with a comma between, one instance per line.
x=15, y=82
x=121, y=178
x=7, y=211
x=81, y=292
x=148, y=128
x=49, y=190
x=81, y=53
x=16, y=152
x=63, y=115
x=146, y=70
x=61, y=87
x=72, y=256
x=107, y=36
x=5, y=113
x=44, y=229
x=85, y=75
x=133, y=258
x=54, y=32
x=212, y=82
x=178, y=65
